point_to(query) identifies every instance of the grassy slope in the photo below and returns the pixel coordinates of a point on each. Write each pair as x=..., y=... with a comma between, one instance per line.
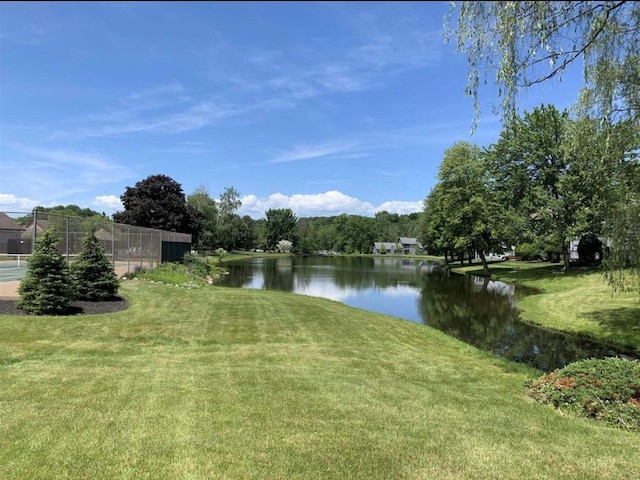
x=576, y=301
x=226, y=383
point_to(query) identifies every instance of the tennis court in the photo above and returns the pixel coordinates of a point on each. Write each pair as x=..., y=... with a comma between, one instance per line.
x=12, y=267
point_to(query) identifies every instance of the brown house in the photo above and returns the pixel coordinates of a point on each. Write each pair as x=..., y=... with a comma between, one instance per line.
x=11, y=236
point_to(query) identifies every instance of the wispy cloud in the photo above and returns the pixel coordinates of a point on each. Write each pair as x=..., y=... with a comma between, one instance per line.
x=56, y=174
x=86, y=165
x=153, y=92
x=308, y=152
x=398, y=173
x=375, y=140
x=192, y=118
x=322, y=204
x=19, y=30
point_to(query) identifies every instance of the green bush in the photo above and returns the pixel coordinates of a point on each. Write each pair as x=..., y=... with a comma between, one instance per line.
x=195, y=266
x=92, y=273
x=171, y=273
x=607, y=390
x=529, y=251
x=46, y=288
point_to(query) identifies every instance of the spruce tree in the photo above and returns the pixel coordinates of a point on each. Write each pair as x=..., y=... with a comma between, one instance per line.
x=92, y=273
x=46, y=288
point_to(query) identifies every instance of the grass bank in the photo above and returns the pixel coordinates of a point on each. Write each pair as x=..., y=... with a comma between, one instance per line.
x=231, y=383
x=578, y=300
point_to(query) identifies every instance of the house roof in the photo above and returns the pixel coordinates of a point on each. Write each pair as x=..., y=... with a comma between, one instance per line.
x=408, y=241
x=8, y=223
x=102, y=234
x=387, y=245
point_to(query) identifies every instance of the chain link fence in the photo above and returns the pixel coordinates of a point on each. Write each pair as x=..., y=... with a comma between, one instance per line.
x=129, y=247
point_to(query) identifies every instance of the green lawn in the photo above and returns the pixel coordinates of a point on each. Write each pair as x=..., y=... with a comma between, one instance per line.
x=230, y=383
x=579, y=300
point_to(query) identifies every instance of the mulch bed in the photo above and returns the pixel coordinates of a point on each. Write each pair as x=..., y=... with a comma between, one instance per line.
x=116, y=304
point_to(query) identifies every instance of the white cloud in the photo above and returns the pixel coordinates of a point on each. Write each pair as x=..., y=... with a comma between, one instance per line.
x=322, y=204
x=108, y=202
x=402, y=208
x=11, y=203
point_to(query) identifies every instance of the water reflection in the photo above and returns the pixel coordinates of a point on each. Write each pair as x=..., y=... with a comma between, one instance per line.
x=475, y=310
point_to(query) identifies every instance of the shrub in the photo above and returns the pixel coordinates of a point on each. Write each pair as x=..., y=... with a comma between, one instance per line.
x=46, y=288
x=93, y=275
x=529, y=251
x=607, y=390
x=195, y=266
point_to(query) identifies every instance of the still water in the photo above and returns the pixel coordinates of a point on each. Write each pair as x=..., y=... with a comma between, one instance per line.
x=476, y=310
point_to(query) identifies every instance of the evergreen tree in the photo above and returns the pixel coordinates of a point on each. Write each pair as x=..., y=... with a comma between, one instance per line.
x=92, y=273
x=46, y=288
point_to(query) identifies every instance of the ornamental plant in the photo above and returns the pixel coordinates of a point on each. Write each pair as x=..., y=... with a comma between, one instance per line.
x=607, y=390
x=46, y=288
x=93, y=275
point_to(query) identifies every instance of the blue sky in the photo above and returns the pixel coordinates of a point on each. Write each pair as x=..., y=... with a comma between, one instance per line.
x=324, y=108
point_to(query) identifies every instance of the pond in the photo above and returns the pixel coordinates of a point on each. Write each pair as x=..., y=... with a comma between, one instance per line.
x=476, y=310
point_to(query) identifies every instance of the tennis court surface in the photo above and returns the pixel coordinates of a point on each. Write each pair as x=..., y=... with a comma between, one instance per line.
x=12, y=267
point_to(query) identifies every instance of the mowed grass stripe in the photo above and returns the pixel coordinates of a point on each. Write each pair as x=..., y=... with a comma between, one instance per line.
x=231, y=383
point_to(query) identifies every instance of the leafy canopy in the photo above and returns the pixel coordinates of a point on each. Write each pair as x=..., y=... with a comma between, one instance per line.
x=281, y=225
x=158, y=202
x=524, y=43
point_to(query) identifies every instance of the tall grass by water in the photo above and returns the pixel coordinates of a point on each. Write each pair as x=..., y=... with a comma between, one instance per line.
x=233, y=383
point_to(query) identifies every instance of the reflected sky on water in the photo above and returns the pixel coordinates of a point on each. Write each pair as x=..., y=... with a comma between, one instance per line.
x=476, y=310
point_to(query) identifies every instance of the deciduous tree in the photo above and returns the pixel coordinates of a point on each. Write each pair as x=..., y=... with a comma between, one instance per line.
x=518, y=44
x=470, y=216
x=281, y=225
x=158, y=202
x=207, y=209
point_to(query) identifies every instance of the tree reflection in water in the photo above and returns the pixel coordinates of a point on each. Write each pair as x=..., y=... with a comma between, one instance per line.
x=476, y=310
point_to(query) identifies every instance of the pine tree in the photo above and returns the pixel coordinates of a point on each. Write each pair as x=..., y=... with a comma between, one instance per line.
x=92, y=273
x=46, y=288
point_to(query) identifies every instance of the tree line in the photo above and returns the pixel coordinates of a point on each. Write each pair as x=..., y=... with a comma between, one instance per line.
x=158, y=201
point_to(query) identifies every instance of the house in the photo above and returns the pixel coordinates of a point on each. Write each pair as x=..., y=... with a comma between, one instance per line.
x=409, y=246
x=404, y=245
x=39, y=227
x=10, y=235
x=384, y=248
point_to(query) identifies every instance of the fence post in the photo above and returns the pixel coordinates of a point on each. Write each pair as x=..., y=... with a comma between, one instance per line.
x=128, y=249
x=113, y=244
x=35, y=229
x=67, y=237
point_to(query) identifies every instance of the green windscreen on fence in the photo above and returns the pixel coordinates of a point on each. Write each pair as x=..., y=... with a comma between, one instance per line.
x=128, y=247
x=174, y=251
